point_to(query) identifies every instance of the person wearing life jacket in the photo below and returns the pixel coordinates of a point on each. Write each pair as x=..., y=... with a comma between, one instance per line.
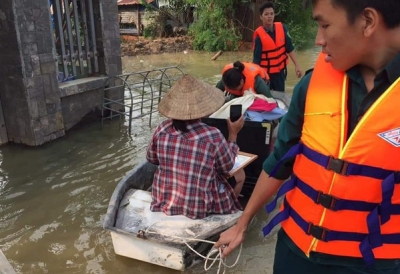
x=341, y=144
x=240, y=76
x=271, y=47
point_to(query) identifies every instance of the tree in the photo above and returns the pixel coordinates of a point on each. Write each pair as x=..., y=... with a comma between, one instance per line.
x=299, y=21
x=215, y=28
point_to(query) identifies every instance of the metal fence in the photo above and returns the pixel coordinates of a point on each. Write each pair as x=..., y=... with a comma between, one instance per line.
x=75, y=38
x=143, y=91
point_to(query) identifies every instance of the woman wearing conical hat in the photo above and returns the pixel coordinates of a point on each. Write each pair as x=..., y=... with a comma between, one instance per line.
x=193, y=158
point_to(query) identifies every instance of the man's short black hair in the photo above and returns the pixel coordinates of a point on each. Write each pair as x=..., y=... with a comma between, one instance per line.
x=266, y=5
x=389, y=9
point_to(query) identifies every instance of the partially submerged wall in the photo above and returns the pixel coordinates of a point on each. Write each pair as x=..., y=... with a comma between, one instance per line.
x=81, y=101
x=29, y=91
x=36, y=108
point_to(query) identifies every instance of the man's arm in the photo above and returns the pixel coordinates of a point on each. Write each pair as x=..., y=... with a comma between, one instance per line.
x=266, y=186
x=297, y=67
x=262, y=87
x=291, y=52
x=257, y=51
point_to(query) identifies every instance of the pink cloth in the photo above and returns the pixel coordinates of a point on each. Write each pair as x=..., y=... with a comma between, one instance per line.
x=262, y=105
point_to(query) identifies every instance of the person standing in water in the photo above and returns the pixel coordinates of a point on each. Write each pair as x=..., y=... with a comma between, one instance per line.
x=271, y=47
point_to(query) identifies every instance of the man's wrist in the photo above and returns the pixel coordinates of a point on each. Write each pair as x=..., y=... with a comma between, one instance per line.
x=243, y=223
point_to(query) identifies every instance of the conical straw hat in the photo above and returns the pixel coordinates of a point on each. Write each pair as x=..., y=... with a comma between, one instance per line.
x=189, y=99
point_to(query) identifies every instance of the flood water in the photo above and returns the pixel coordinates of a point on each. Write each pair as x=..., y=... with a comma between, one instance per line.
x=53, y=198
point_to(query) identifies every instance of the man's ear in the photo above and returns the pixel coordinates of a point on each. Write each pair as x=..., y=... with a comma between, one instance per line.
x=371, y=20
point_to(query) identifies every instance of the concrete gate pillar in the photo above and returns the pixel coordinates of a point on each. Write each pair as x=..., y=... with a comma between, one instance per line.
x=32, y=103
x=29, y=91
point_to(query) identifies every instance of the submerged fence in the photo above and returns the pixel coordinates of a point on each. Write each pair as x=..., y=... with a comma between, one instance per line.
x=143, y=91
x=75, y=38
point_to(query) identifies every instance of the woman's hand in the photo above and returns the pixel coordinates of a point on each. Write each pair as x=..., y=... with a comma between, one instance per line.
x=235, y=127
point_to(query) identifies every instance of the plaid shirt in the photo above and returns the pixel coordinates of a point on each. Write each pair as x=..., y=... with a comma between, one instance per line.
x=189, y=180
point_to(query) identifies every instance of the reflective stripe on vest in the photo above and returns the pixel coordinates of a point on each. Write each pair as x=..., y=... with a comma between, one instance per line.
x=251, y=71
x=273, y=56
x=344, y=197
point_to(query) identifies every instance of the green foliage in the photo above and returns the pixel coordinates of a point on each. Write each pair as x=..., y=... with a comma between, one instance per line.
x=150, y=31
x=298, y=20
x=215, y=28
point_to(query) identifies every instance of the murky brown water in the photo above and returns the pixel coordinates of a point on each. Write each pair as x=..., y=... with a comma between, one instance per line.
x=53, y=198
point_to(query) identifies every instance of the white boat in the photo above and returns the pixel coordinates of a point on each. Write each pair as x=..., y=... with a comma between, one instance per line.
x=154, y=237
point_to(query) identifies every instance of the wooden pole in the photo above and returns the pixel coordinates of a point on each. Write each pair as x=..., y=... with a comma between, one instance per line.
x=216, y=55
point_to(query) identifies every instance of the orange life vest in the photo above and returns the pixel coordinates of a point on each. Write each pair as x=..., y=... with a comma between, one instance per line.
x=344, y=196
x=251, y=71
x=273, y=56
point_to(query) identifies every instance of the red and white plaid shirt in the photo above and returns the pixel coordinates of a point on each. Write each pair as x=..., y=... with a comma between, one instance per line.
x=189, y=180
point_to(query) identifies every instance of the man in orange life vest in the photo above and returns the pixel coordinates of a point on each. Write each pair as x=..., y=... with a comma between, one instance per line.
x=272, y=45
x=341, y=144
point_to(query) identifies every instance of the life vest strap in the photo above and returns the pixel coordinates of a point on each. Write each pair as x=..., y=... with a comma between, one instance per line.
x=345, y=168
x=268, y=65
x=333, y=203
x=336, y=165
x=292, y=153
x=265, y=57
x=274, y=50
x=285, y=188
x=389, y=177
x=368, y=241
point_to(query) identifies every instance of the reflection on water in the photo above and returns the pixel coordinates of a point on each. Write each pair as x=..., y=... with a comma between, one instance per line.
x=53, y=198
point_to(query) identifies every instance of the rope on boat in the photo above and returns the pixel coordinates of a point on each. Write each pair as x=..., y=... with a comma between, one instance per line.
x=218, y=257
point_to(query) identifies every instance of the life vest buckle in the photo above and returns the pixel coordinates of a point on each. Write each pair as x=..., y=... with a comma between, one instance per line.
x=338, y=166
x=317, y=232
x=326, y=200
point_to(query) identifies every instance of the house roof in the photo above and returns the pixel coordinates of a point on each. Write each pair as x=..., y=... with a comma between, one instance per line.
x=131, y=2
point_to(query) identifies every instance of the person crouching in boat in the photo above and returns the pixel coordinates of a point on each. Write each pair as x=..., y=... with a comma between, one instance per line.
x=193, y=158
x=240, y=76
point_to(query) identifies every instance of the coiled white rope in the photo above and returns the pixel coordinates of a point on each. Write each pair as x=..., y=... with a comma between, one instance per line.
x=218, y=257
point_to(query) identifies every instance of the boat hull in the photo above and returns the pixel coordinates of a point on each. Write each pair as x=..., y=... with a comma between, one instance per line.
x=139, y=249
x=154, y=237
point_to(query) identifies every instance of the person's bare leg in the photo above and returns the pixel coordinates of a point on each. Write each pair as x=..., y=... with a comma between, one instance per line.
x=240, y=177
